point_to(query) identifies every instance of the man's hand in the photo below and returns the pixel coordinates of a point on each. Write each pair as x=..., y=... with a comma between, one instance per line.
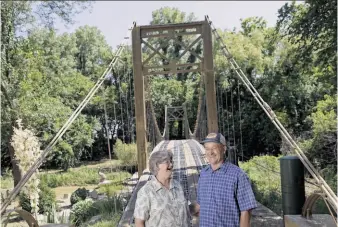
x=194, y=209
x=245, y=218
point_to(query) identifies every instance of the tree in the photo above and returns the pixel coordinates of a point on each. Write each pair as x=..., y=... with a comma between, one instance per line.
x=313, y=26
x=17, y=18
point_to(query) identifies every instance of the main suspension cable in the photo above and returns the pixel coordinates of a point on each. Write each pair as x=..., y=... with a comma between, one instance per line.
x=332, y=198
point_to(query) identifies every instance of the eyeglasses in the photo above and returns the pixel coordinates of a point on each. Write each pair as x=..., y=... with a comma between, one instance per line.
x=168, y=162
x=210, y=149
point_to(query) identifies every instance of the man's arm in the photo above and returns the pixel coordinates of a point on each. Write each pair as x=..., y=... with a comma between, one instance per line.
x=245, y=218
x=139, y=222
x=246, y=199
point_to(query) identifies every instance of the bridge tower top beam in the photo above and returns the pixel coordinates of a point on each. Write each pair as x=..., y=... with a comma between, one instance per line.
x=148, y=66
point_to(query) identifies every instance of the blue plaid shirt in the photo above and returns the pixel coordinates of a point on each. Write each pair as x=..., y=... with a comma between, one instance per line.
x=222, y=195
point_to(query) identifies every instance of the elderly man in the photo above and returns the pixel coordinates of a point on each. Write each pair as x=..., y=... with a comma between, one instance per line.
x=224, y=195
x=161, y=202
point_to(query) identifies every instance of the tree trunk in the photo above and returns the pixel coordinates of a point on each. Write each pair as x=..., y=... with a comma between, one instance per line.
x=17, y=175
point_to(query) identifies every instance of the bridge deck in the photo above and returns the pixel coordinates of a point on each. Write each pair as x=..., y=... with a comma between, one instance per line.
x=189, y=159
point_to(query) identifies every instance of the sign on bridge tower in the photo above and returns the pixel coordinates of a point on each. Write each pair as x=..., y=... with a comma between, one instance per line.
x=144, y=67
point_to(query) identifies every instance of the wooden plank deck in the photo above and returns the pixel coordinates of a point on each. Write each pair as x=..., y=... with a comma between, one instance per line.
x=189, y=159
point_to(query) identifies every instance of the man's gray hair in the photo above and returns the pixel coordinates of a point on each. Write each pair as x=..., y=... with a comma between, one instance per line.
x=157, y=158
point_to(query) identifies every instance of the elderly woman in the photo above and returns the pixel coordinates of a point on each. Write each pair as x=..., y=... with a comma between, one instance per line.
x=160, y=202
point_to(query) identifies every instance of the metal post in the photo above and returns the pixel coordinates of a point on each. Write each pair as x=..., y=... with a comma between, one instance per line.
x=292, y=183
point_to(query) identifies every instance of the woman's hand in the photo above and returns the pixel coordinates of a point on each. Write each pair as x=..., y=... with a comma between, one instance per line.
x=139, y=222
x=194, y=209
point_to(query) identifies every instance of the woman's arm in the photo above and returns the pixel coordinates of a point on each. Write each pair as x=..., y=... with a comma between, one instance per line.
x=142, y=208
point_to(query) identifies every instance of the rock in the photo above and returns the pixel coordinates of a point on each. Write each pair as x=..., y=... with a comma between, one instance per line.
x=93, y=194
x=105, y=182
x=94, y=219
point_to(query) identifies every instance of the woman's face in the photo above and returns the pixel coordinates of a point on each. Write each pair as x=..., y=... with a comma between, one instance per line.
x=165, y=169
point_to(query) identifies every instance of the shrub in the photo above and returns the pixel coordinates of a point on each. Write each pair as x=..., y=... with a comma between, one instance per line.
x=81, y=212
x=127, y=153
x=6, y=179
x=79, y=177
x=263, y=172
x=84, y=176
x=47, y=199
x=108, y=206
x=84, y=210
x=330, y=176
x=78, y=195
x=109, y=221
x=24, y=202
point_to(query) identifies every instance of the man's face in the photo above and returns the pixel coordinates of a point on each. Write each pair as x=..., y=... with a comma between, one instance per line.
x=214, y=152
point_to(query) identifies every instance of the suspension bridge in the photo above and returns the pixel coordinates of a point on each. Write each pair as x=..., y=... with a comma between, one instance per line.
x=211, y=113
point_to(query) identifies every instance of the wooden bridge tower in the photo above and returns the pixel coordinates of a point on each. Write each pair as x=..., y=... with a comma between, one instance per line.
x=142, y=68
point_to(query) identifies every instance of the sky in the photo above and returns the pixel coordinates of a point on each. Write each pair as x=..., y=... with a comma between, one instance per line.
x=113, y=18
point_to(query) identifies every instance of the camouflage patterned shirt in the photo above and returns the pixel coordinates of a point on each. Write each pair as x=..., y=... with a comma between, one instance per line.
x=159, y=206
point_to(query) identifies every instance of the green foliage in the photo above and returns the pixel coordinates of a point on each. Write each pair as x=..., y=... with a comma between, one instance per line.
x=321, y=148
x=263, y=172
x=47, y=200
x=24, y=202
x=115, y=186
x=329, y=174
x=33, y=64
x=325, y=117
x=127, y=153
x=6, y=179
x=73, y=177
x=81, y=211
x=169, y=15
x=253, y=24
x=112, y=221
x=84, y=210
x=314, y=25
x=79, y=177
x=78, y=195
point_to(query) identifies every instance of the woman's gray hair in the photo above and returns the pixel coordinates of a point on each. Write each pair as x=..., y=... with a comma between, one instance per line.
x=157, y=158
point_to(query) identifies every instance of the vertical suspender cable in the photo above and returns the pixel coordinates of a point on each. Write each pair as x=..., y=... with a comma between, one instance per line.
x=233, y=118
x=121, y=106
x=131, y=109
x=227, y=110
x=221, y=124
x=240, y=119
x=128, y=120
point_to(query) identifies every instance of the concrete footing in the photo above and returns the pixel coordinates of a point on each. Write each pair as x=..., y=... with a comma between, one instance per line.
x=317, y=220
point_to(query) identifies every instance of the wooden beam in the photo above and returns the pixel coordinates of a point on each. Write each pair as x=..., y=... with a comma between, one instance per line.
x=171, y=66
x=172, y=72
x=158, y=27
x=151, y=35
x=209, y=78
x=140, y=115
